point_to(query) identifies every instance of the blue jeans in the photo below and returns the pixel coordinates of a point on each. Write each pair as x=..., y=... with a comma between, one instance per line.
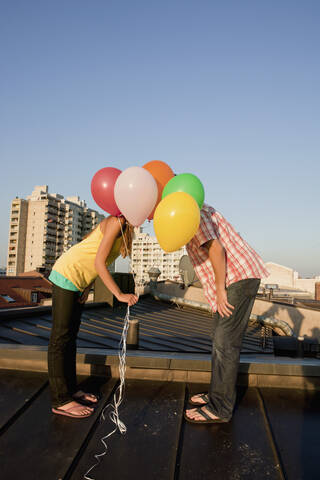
x=227, y=338
x=66, y=315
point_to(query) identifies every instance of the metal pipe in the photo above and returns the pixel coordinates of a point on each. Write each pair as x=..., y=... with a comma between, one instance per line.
x=180, y=301
x=133, y=335
x=274, y=323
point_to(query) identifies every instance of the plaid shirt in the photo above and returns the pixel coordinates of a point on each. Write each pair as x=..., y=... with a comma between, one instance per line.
x=241, y=260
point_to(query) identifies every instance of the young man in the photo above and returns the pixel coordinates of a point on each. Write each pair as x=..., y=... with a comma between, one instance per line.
x=230, y=272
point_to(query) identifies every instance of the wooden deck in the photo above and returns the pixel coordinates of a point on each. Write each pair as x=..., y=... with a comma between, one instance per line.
x=274, y=434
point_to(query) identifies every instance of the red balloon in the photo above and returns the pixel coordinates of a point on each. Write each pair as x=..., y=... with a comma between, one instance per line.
x=102, y=189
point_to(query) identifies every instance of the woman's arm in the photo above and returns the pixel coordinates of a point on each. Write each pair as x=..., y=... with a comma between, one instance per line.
x=217, y=258
x=112, y=230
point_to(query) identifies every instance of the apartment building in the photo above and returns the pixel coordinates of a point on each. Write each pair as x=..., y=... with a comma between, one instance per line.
x=43, y=226
x=17, y=236
x=147, y=253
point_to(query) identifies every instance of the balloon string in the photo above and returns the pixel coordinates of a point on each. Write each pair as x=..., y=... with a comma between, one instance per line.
x=119, y=393
x=117, y=398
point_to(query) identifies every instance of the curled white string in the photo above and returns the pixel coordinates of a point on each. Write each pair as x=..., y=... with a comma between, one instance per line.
x=117, y=398
x=119, y=393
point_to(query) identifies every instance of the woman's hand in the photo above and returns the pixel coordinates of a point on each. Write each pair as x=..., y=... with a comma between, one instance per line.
x=223, y=306
x=128, y=298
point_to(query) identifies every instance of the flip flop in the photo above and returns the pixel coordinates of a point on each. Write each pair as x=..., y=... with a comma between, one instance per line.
x=207, y=418
x=81, y=398
x=65, y=413
x=203, y=396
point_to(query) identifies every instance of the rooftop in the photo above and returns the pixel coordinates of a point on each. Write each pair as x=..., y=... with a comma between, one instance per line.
x=23, y=290
x=273, y=434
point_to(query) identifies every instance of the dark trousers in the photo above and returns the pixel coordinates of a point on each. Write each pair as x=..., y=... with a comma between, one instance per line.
x=66, y=313
x=226, y=345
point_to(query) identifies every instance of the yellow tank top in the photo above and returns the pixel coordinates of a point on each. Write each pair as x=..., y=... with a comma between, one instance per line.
x=77, y=264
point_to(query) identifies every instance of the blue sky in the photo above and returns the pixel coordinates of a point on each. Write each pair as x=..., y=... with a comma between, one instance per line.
x=228, y=91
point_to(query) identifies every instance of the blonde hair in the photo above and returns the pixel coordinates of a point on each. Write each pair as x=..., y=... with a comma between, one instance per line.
x=127, y=237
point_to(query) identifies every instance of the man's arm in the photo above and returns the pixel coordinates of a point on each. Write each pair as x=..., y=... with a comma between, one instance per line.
x=217, y=258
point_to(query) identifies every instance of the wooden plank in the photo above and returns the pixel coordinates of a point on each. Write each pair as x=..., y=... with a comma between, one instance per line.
x=16, y=390
x=42, y=445
x=235, y=450
x=295, y=422
x=152, y=412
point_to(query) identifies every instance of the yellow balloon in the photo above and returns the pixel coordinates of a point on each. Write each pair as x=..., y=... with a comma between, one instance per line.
x=176, y=220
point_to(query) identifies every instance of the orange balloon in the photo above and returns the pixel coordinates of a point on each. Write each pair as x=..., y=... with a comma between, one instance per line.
x=162, y=173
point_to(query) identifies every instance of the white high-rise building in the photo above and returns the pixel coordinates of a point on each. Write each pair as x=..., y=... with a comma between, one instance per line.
x=147, y=253
x=43, y=226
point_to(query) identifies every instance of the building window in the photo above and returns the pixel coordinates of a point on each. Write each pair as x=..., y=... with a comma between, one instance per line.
x=34, y=297
x=7, y=298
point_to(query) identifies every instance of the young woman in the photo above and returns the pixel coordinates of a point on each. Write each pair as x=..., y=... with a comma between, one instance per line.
x=72, y=276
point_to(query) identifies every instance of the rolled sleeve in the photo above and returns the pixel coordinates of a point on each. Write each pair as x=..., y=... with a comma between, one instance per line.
x=206, y=230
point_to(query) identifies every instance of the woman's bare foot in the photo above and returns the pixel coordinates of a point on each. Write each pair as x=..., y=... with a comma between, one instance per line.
x=85, y=397
x=73, y=409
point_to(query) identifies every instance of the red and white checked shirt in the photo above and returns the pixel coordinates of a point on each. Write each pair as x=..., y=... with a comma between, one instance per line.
x=241, y=260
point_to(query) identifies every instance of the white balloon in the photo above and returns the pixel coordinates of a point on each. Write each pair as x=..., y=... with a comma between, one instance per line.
x=136, y=193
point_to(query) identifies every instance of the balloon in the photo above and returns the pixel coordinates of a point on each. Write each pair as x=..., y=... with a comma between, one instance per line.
x=102, y=189
x=176, y=220
x=188, y=183
x=162, y=173
x=136, y=193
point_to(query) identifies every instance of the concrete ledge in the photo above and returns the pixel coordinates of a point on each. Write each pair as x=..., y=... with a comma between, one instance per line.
x=255, y=370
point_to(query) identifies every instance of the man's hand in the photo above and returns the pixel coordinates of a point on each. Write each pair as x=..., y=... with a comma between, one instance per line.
x=224, y=308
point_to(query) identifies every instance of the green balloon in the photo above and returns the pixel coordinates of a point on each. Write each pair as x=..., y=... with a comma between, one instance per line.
x=187, y=183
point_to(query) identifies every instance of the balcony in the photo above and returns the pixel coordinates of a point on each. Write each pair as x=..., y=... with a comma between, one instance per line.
x=49, y=235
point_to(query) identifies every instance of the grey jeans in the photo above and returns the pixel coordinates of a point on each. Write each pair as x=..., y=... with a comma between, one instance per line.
x=227, y=338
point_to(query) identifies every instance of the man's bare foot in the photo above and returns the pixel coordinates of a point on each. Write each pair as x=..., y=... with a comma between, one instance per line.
x=73, y=409
x=194, y=414
x=199, y=399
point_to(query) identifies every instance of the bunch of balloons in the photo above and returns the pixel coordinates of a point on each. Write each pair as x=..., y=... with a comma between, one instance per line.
x=152, y=192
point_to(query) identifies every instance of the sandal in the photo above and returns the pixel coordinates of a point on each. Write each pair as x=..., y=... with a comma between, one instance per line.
x=67, y=413
x=80, y=397
x=202, y=396
x=206, y=417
